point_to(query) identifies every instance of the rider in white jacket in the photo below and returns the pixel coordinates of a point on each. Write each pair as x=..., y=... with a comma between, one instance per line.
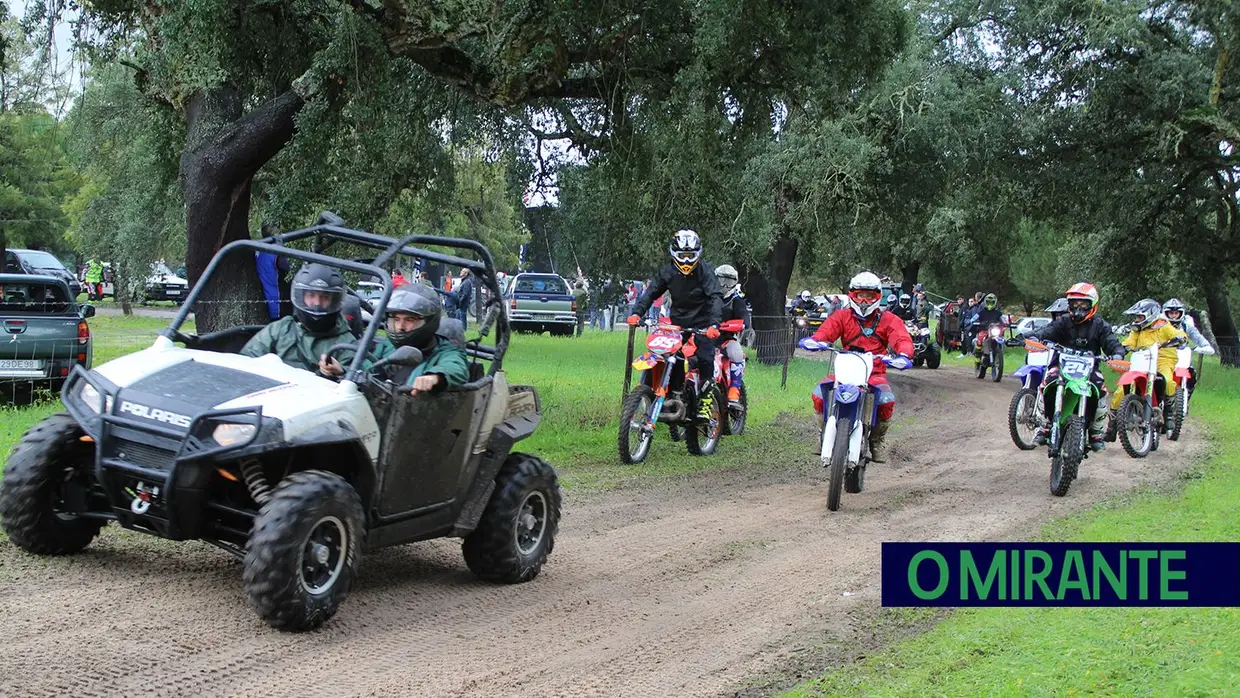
x=1173, y=310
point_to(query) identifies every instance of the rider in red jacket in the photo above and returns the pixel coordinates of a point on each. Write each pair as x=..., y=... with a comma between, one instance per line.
x=863, y=326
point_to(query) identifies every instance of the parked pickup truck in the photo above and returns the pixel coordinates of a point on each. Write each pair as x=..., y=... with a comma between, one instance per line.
x=541, y=303
x=45, y=332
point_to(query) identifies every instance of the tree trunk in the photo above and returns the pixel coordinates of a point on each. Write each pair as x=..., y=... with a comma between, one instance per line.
x=910, y=277
x=766, y=286
x=223, y=150
x=1221, y=320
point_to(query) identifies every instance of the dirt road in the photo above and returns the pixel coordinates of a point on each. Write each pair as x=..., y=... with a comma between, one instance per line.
x=684, y=588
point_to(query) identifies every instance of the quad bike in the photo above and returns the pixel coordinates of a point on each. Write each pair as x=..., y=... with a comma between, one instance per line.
x=988, y=351
x=925, y=350
x=296, y=474
x=1069, y=421
x=1026, y=414
x=668, y=392
x=734, y=424
x=1185, y=373
x=849, y=413
x=1140, y=419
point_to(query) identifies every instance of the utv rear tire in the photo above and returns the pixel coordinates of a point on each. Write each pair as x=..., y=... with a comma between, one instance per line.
x=35, y=470
x=310, y=514
x=934, y=357
x=517, y=530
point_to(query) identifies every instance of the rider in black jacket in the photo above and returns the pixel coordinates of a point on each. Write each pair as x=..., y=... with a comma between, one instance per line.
x=988, y=314
x=697, y=301
x=903, y=308
x=1081, y=329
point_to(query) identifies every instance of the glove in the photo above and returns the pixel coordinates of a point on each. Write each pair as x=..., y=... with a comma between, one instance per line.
x=633, y=320
x=1207, y=350
x=712, y=332
x=1118, y=357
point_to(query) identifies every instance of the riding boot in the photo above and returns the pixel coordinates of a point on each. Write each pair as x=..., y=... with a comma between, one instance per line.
x=877, y=434
x=1098, y=428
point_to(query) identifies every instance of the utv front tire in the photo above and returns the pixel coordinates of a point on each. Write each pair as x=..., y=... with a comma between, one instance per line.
x=39, y=465
x=304, y=550
x=934, y=357
x=517, y=530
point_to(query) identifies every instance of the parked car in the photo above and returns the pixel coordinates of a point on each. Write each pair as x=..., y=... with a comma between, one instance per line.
x=1028, y=325
x=164, y=285
x=541, y=303
x=41, y=263
x=45, y=330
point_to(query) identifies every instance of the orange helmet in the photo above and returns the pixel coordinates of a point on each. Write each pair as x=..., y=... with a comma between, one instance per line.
x=1082, y=302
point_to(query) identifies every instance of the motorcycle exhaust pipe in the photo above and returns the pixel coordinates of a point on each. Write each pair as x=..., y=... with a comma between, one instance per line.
x=673, y=411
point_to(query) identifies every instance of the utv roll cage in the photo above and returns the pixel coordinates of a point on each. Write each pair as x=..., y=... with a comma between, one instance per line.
x=330, y=230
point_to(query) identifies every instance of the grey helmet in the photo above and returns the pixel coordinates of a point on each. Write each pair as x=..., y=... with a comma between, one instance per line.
x=1175, y=305
x=1144, y=312
x=420, y=300
x=729, y=280
x=318, y=319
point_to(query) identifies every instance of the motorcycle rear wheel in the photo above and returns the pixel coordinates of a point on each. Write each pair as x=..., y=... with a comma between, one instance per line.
x=1175, y=415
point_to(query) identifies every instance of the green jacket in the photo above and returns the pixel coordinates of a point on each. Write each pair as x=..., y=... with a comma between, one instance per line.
x=287, y=339
x=583, y=303
x=446, y=358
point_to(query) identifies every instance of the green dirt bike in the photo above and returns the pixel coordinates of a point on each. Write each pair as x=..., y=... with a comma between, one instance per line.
x=1069, y=423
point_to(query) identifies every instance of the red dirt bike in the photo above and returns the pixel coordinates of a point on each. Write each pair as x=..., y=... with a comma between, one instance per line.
x=988, y=350
x=734, y=425
x=1140, y=419
x=667, y=392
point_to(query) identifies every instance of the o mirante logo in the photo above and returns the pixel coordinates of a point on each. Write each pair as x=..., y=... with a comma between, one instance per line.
x=1061, y=574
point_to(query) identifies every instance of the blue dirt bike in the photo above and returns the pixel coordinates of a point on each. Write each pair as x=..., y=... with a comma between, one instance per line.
x=849, y=413
x=1025, y=413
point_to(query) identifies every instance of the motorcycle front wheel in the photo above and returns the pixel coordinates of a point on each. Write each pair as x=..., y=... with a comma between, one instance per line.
x=1065, y=465
x=839, y=461
x=996, y=363
x=1136, y=434
x=633, y=440
x=1021, y=424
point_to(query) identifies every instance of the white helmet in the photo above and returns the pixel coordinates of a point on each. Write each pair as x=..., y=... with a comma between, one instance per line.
x=805, y=295
x=865, y=293
x=729, y=280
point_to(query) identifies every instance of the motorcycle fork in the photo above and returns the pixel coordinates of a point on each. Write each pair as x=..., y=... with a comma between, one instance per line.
x=661, y=375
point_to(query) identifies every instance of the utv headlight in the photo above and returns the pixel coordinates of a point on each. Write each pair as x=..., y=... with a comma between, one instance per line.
x=89, y=395
x=229, y=434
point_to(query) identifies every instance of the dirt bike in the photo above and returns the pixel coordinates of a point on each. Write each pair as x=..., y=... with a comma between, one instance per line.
x=989, y=352
x=806, y=323
x=849, y=412
x=1069, y=422
x=1025, y=414
x=667, y=393
x=1140, y=419
x=1184, y=373
x=734, y=425
x=925, y=350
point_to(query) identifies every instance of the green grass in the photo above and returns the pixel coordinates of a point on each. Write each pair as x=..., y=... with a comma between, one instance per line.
x=580, y=383
x=1105, y=651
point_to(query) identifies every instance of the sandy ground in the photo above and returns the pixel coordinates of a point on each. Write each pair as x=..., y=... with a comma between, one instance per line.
x=673, y=588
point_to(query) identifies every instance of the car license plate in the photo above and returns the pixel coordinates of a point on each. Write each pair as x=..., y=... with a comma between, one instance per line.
x=174, y=291
x=21, y=368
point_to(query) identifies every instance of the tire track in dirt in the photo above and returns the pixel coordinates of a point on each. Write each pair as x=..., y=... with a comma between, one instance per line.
x=682, y=587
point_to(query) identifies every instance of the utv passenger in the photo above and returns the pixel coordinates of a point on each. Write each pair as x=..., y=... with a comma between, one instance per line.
x=413, y=318
x=302, y=340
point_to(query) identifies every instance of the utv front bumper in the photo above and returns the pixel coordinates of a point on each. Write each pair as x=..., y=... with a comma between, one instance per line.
x=155, y=477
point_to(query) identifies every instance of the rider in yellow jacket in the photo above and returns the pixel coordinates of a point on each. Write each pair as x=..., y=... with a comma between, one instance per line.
x=1150, y=328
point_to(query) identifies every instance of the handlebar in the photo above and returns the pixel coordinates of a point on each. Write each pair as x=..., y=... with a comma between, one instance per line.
x=898, y=362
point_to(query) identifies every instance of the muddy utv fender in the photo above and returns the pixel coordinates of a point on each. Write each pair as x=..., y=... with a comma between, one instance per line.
x=524, y=415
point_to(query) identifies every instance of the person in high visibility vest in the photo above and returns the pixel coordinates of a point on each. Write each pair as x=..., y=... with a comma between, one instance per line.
x=94, y=280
